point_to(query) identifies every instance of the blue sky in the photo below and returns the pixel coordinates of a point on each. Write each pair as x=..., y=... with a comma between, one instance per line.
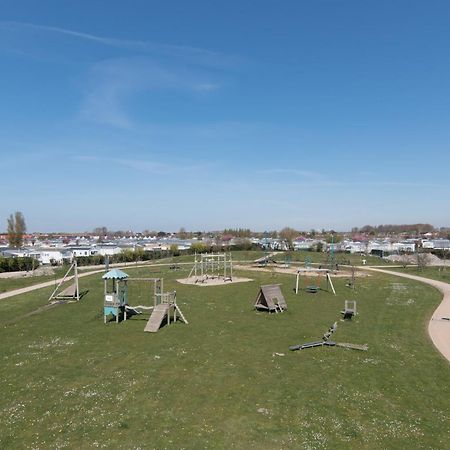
x=211, y=114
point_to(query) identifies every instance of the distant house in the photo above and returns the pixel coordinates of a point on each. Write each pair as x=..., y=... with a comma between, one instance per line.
x=354, y=246
x=404, y=247
x=305, y=244
x=79, y=251
x=15, y=252
x=441, y=244
x=51, y=255
x=427, y=244
x=109, y=250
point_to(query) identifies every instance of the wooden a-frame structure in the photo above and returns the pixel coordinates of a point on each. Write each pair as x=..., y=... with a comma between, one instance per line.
x=270, y=298
x=73, y=291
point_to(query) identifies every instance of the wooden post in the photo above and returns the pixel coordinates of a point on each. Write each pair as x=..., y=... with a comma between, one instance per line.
x=296, y=282
x=331, y=283
x=231, y=267
x=76, y=281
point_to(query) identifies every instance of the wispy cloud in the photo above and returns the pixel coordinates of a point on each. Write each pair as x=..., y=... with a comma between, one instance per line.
x=406, y=184
x=294, y=172
x=194, y=54
x=145, y=165
x=112, y=81
x=112, y=84
x=294, y=177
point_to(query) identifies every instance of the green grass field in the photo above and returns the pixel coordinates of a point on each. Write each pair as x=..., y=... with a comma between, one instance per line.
x=9, y=284
x=341, y=258
x=436, y=273
x=69, y=381
x=298, y=256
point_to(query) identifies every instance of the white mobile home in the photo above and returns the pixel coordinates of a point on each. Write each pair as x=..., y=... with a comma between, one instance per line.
x=109, y=250
x=51, y=255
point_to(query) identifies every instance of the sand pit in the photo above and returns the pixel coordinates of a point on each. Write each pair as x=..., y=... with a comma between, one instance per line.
x=216, y=281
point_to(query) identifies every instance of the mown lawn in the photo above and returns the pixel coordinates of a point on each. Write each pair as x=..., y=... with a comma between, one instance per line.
x=340, y=258
x=9, y=284
x=70, y=381
x=436, y=273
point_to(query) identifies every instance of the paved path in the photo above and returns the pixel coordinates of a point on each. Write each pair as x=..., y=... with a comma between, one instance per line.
x=43, y=285
x=24, y=290
x=438, y=329
x=83, y=273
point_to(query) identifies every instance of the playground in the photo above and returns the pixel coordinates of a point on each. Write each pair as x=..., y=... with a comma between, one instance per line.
x=227, y=379
x=211, y=269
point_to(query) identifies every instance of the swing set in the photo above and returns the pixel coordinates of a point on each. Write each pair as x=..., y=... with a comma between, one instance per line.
x=314, y=279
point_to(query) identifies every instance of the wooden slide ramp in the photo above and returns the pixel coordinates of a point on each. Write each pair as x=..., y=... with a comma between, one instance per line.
x=156, y=318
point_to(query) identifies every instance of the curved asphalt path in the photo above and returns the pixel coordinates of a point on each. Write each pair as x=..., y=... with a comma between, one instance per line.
x=438, y=328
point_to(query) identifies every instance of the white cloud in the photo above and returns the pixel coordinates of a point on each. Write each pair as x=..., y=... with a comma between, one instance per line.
x=195, y=55
x=147, y=166
x=111, y=82
x=295, y=172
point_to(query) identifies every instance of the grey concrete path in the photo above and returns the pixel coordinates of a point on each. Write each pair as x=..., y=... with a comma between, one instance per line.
x=438, y=326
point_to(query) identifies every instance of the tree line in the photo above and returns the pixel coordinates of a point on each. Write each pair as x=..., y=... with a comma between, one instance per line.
x=17, y=264
x=417, y=228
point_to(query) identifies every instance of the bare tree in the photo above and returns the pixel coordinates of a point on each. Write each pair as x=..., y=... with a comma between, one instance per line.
x=404, y=260
x=182, y=233
x=288, y=235
x=16, y=229
x=422, y=260
x=101, y=231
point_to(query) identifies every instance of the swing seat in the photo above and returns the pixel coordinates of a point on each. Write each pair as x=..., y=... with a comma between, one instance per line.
x=312, y=289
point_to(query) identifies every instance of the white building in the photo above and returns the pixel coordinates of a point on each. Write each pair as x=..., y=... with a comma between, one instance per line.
x=109, y=250
x=441, y=244
x=78, y=251
x=306, y=244
x=427, y=244
x=15, y=252
x=354, y=246
x=404, y=247
x=51, y=255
